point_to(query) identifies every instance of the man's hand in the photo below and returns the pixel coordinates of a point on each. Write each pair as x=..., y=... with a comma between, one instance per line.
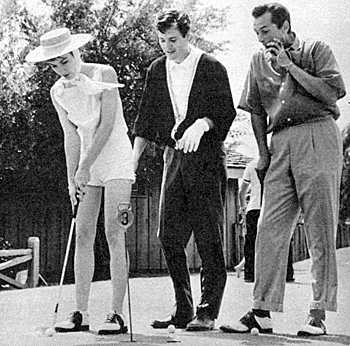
x=139, y=146
x=191, y=138
x=276, y=49
x=262, y=166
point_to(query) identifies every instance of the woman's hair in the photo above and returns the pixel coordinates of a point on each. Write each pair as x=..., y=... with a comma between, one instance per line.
x=174, y=19
x=71, y=53
x=279, y=13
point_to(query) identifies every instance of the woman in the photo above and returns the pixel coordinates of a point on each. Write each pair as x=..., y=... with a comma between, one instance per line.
x=98, y=154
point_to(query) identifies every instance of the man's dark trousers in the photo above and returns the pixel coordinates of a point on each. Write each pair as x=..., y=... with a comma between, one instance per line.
x=192, y=200
x=252, y=218
x=249, y=247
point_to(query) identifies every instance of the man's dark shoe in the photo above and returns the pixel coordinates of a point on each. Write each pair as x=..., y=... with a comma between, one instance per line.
x=170, y=320
x=247, y=323
x=201, y=323
x=313, y=327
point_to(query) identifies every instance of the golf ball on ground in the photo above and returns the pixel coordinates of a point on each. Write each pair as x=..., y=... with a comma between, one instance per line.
x=50, y=332
x=254, y=331
x=171, y=329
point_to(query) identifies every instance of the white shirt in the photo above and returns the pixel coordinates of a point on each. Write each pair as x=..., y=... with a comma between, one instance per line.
x=180, y=78
x=250, y=176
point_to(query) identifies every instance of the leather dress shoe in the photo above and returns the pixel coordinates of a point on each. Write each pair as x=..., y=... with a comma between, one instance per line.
x=200, y=323
x=171, y=320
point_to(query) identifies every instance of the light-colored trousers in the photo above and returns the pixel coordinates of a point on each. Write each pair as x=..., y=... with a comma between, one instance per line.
x=305, y=172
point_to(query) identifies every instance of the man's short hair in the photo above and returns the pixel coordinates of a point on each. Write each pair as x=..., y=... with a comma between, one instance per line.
x=279, y=13
x=174, y=19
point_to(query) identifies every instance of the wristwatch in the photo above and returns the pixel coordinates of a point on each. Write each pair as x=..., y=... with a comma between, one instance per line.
x=287, y=65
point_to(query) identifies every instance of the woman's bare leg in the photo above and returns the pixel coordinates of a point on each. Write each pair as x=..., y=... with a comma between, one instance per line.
x=116, y=191
x=84, y=264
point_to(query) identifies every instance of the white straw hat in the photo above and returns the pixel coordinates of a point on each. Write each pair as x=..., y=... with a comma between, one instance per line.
x=56, y=43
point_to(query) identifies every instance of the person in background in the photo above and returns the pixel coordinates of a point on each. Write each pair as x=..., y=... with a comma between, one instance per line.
x=251, y=186
x=187, y=107
x=98, y=155
x=291, y=91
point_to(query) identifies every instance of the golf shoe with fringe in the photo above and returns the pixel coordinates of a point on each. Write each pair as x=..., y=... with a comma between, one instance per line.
x=313, y=327
x=76, y=322
x=114, y=324
x=248, y=322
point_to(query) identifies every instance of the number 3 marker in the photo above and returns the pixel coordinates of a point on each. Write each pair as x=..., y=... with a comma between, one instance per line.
x=125, y=216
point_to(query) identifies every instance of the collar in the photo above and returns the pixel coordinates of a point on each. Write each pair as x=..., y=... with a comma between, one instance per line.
x=74, y=81
x=87, y=85
x=188, y=63
x=296, y=43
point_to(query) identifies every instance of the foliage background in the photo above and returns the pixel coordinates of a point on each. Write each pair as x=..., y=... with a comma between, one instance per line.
x=31, y=140
x=31, y=145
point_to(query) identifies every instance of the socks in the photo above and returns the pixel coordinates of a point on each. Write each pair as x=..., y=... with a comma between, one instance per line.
x=318, y=314
x=85, y=315
x=261, y=313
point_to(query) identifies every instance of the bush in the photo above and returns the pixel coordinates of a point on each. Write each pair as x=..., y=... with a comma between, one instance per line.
x=31, y=149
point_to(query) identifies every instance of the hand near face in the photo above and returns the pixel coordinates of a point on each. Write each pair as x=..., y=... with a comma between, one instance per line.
x=274, y=47
x=275, y=52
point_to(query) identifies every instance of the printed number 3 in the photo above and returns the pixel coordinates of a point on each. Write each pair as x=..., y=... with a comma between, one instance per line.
x=124, y=220
x=125, y=216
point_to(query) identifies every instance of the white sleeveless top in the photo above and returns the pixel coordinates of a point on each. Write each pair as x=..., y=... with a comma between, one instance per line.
x=82, y=101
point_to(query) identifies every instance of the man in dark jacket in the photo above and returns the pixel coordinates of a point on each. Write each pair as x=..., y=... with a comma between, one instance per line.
x=187, y=106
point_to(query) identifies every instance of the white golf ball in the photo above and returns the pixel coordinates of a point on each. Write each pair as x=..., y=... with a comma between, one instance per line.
x=171, y=328
x=50, y=332
x=254, y=331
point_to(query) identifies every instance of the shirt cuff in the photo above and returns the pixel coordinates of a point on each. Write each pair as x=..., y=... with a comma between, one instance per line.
x=203, y=124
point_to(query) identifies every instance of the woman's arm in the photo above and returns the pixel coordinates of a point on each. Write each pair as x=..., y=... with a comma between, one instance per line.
x=110, y=105
x=71, y=141
x=71, y=145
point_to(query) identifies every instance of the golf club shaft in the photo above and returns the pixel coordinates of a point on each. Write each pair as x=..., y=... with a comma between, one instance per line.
x=128, y=289
x=71, y=231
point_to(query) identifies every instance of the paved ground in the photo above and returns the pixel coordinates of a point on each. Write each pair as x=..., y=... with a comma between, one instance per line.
x=23, y=312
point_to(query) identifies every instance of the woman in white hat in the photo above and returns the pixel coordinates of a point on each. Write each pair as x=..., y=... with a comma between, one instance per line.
x=98, y=154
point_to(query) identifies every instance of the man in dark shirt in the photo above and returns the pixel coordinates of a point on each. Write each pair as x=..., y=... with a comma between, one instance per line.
x=291, y=90
x=187, y=106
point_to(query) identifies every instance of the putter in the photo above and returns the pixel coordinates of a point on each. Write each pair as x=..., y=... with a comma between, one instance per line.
x=125, y=219
x=72, y=226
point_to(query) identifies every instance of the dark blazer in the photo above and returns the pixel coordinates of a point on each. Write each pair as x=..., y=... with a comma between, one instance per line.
x=210, y=97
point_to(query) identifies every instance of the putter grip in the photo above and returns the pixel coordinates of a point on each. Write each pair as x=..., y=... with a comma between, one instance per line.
x=75, y=209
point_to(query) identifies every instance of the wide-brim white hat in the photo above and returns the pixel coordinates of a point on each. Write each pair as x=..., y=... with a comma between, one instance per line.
x=56, y=43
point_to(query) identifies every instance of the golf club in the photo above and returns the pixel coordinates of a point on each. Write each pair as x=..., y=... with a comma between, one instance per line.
x=125, y=219
x=72, y=226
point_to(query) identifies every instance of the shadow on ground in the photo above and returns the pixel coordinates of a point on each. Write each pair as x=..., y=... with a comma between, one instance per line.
x=277, y=339
x=217, y=336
